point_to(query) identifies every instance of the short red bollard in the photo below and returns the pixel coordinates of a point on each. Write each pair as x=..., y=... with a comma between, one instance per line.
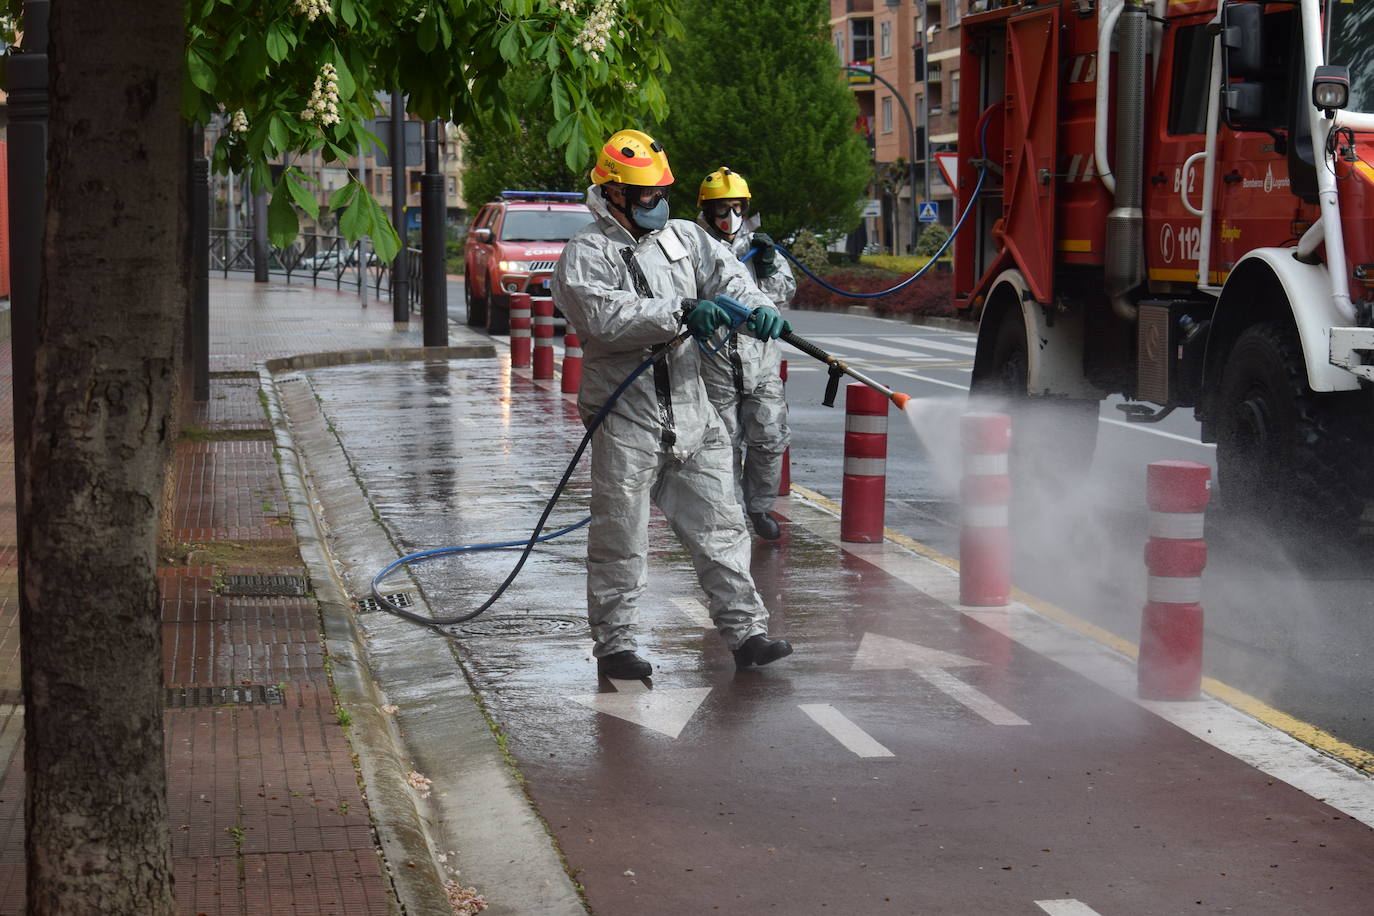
x=572, y=362
x=519, y=330
x=785, y=479
x=543, y=337
x=984, y=493
x=865, y=465
x=1170, y=662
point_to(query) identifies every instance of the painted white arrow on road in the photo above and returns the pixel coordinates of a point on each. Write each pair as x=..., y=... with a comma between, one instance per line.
x=665, y=710
x=885, y=653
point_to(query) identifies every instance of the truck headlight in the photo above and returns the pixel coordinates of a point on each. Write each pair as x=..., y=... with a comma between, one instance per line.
x=514, y=266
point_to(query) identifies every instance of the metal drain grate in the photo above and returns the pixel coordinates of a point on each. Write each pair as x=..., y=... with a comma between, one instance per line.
x=234, y=695
x=371, y=605
x=510, y=627
x=264, y=586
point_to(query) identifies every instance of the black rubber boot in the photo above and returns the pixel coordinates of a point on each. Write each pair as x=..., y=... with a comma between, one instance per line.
x=760, y=650
x=765, y=526
x=626, y=666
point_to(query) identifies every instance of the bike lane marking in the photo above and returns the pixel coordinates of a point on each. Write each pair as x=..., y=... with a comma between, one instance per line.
x=844, y=731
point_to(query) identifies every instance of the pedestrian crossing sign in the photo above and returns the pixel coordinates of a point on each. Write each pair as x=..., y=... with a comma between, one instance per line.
x=927, y=212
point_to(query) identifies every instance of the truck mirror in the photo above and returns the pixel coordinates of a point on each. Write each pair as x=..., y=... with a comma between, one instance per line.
x=482, y=235
x=1244, y=104
x=1242, y=40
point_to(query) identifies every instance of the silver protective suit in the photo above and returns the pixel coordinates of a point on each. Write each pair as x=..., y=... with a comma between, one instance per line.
x=743, y=381
x=662, y=440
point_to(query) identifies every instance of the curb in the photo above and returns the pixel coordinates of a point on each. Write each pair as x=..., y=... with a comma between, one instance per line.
x=516, y=865
x=400, y=831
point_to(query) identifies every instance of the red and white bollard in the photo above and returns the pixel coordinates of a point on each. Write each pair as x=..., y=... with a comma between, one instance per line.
x=519, y=330
x=865, y=465
x=543, y=337
x=785, y=478
x=1170, y=662
x=572, y=361
x=984, y=493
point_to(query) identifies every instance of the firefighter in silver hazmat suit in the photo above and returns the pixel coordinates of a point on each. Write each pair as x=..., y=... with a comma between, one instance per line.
x=628, y=283
x=743, y=378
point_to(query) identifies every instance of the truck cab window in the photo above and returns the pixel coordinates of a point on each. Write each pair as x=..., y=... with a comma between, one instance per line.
x=1188, y=88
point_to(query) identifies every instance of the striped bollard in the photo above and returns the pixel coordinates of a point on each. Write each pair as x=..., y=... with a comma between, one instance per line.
x=572, y=362
x=984, y=494
x=543, y=337
x=1170, y=662
x=519, y=330
x=785, y=478
x=865, y=465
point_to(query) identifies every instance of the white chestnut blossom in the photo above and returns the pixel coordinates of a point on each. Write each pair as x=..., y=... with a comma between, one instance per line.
x=324, y=100
x=311, y=9
x=239, y=122
x=597, y=28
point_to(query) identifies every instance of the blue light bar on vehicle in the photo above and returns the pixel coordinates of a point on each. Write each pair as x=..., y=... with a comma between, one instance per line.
x=542, y=195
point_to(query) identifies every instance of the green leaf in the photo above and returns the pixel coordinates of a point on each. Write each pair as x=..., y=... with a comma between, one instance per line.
x=200, y=68
x=348, y=86
x=303, y=198
x=356, y=219
x=428, y=33
x=560, y=98
x=277, y=45
x=279, y=132
x=343, y=196
x=385, y=241
x=348, y=13
x=282, y=224
x=510, y=43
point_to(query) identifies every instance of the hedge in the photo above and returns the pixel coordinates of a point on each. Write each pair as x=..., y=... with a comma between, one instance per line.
x=929, y=295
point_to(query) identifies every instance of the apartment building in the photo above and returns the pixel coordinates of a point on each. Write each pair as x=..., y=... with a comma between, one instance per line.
x=908, y=107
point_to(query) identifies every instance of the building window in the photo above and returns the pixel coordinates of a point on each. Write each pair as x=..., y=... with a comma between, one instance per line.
x=839, y=45
x=885, y=39
x=887, y=115
x=861, y=46
x=953, y=19
x=954, y=91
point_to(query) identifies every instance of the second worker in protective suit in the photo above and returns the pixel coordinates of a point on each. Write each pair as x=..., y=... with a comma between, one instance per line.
x=628, y=284
x=742, y=378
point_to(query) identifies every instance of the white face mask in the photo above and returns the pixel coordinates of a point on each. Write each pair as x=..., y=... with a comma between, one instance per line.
x=729, y=223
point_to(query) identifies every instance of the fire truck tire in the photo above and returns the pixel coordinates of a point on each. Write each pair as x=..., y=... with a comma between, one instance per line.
x=478, y=306
x=1285, y=453
x=1053, y=439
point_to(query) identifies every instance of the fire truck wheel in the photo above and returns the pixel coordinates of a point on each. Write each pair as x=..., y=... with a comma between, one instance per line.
x=1053, y=439
x=477, y=305
x=1286, y=454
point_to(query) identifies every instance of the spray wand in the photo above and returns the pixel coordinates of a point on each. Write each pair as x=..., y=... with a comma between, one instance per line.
x=739, y=313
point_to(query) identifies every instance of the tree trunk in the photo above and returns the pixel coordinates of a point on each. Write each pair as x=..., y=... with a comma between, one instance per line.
x=113, y=295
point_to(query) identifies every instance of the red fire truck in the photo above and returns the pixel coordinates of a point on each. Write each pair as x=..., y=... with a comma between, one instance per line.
x=1177, y=205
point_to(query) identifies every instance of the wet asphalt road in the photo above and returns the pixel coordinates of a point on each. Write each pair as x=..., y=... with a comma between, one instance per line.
x=1294, y=628
x=908, y=759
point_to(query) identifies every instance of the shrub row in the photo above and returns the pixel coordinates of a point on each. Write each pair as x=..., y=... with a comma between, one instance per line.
x=929, y=295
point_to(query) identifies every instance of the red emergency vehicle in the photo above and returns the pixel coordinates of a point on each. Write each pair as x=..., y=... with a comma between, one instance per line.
x=1177, y=205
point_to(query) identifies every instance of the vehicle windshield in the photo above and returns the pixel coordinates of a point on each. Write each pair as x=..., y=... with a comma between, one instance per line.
x=543, y=225
x=1350, y=43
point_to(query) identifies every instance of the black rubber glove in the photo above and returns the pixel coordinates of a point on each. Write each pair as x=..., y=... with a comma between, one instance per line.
x=766, y=261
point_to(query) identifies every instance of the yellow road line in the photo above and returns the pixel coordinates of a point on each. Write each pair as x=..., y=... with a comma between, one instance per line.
x=1307, y=733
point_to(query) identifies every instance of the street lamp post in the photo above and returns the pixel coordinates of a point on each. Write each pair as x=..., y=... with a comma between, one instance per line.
x=911, y=129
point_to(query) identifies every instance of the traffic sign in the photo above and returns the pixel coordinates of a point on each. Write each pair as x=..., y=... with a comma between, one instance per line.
x=949, y=167
x=927, y=212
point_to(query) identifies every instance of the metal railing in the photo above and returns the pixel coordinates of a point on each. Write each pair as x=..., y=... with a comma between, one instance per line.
x=318, y=260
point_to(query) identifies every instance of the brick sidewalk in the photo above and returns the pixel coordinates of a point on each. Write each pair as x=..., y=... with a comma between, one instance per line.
x=265, y=810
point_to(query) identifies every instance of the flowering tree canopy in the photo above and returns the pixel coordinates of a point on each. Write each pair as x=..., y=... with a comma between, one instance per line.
x=299, y=75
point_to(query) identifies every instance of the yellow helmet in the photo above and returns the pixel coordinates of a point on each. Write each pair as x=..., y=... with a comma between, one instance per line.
x=632, y=157
x=722, y=183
